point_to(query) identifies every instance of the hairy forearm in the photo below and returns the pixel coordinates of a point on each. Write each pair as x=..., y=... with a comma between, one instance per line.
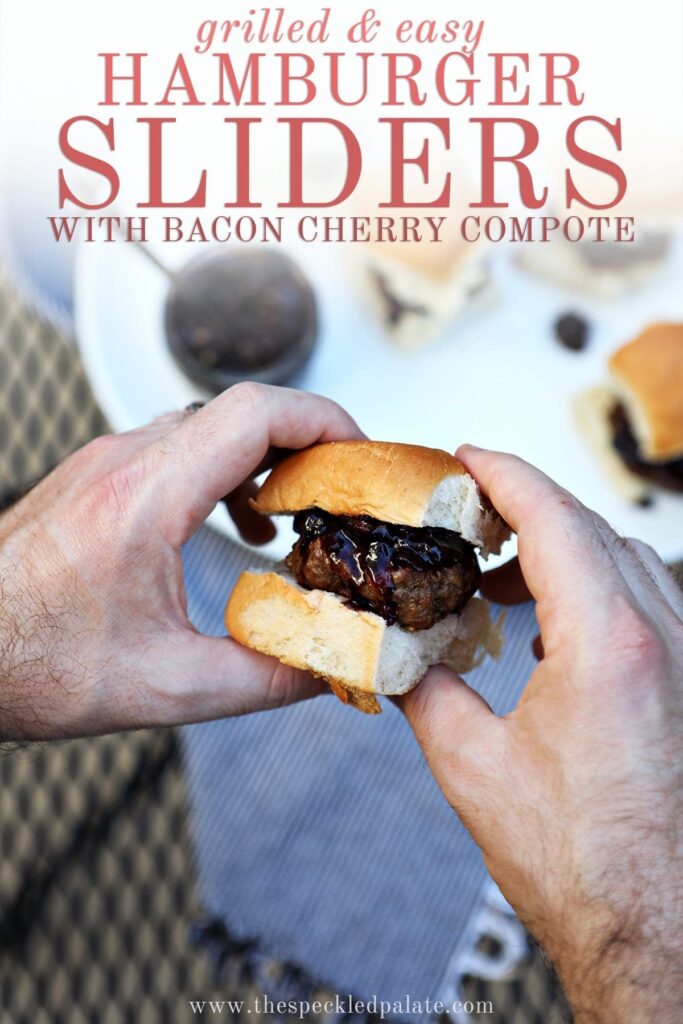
x=606, y=916
x=27, y=634
x=627, y=982
x=15, y=689
x=623, y=962
x=41, y=653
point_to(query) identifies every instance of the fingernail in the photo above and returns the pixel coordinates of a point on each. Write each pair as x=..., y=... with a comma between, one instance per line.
x=470, y=448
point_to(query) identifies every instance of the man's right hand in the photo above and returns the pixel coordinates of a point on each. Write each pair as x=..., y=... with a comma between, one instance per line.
x=576, y=797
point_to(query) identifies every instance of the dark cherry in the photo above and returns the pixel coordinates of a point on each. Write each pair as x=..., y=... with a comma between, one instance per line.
x=571, y=330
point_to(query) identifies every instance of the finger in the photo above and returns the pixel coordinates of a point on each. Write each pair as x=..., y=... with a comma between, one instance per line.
x=131, y=441
x=271, y=459
x=506, y=584
x=650, y=580
x=155, y=429
x=212, y=452
x=567, y=553
x=463, y=741
x=254, y=528
x=662, y=575
x=566, y=565
x=203, y=678
x=108, y=452
x=646, y=576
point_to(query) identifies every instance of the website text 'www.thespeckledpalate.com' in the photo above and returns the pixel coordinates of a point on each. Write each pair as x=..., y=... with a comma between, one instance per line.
x=302, y=1009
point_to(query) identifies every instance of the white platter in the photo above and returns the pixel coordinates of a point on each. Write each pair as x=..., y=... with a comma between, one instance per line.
x=497, y=379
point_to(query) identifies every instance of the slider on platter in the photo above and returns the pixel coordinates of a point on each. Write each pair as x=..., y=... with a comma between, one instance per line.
x=600, y=256
x=380, y=584
x=635, y=421
x=419, y=287
x=606, y=256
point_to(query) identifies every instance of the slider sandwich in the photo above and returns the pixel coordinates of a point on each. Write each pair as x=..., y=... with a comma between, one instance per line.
x=635, y=421
x=380, y=584
x=637, y=236
x=604, y=269
x=419, y=281
x=419, y=288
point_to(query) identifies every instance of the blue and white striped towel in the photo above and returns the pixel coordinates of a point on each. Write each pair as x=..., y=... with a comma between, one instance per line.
x=320, y=833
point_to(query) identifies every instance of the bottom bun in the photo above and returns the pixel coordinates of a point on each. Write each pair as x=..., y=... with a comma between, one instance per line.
x=357, y=652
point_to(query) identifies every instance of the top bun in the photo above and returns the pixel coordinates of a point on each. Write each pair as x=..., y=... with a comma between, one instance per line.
x=397, y=483
x=648, y=373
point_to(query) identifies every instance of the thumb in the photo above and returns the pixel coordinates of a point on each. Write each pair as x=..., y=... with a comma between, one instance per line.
x=463, y=741
x=198, y=678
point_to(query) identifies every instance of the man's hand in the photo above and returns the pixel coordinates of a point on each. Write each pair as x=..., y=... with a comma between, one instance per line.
x=576, y=797
x=94, y=633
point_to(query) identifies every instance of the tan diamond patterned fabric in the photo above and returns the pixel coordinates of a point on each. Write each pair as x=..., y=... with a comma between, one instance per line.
x=96, y=884
x=96, y=893
x=46, y=407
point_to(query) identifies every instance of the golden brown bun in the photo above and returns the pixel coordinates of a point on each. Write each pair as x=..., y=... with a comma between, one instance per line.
x=397, y=483
x=355, y=651
x=649, y=376
x=393, y=482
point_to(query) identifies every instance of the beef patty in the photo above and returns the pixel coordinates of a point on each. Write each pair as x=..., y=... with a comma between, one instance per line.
x=413, y=576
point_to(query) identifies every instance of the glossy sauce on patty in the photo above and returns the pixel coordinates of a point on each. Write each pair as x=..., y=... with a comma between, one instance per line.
x=413, y=576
